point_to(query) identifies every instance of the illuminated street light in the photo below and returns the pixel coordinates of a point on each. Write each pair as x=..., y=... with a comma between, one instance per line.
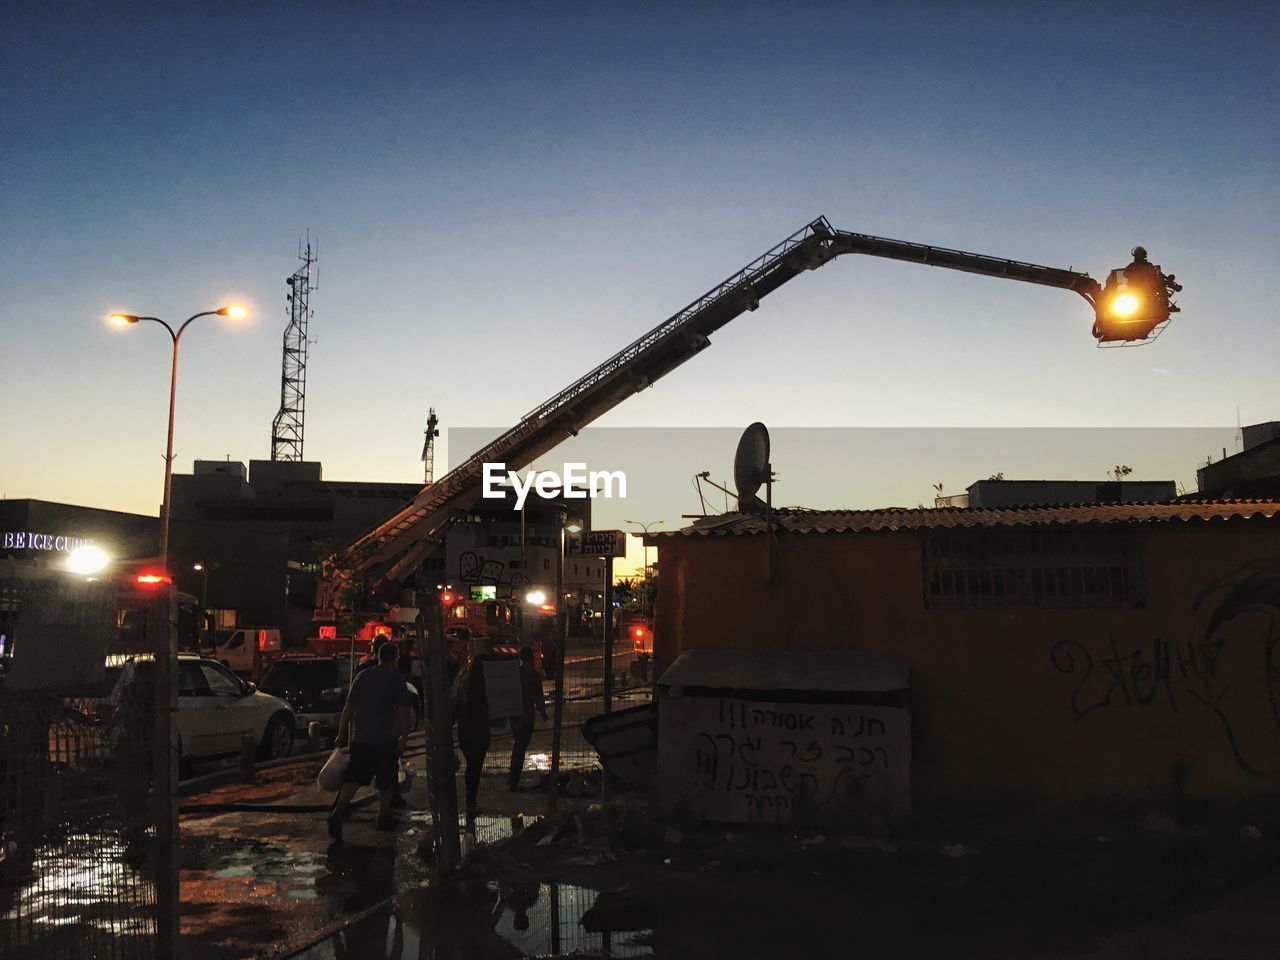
x=88, y=560
x=124, y=319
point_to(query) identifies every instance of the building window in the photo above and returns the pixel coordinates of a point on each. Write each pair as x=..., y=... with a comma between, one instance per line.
x=546, y=564
x=1040, y=567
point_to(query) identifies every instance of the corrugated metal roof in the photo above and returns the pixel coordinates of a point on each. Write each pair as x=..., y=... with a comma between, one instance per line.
x=926, y=518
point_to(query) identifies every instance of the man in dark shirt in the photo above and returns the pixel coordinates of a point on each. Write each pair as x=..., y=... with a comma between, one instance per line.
x=379, y=706
x=531, y=697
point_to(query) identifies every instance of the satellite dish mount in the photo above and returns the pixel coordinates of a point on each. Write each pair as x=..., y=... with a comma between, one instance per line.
x=751, y=471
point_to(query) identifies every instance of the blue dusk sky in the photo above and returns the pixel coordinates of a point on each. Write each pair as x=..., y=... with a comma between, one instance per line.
x=505, y=194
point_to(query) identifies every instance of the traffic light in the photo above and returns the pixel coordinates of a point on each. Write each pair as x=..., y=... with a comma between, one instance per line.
x=1133, y=302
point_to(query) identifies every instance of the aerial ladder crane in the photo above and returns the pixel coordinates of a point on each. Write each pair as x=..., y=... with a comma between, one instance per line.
x=1132, y=306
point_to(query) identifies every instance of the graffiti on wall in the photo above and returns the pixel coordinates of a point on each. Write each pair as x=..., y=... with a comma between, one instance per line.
x=745, y=761
x=477, y=570
x=1194, y=674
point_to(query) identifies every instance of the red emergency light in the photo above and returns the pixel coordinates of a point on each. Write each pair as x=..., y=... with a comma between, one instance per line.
x=547, y=608
x=152, y=579
x=639, y=632
x=446, y=598
x=329, y=633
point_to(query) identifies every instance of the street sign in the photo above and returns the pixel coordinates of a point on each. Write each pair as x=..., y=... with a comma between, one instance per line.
x=597, y=543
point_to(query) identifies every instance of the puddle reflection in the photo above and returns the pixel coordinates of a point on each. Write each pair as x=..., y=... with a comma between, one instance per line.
x=481, y=920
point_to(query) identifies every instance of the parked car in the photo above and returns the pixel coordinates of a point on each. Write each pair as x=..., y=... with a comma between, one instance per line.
x=216, y=709
x=316, y=688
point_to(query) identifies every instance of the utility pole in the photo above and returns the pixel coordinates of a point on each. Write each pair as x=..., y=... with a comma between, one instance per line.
x=445, y=805
x=562, y=632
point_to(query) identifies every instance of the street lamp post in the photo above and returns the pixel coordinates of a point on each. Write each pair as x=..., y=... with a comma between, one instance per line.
x=645, y=527
x=562, y=636
x=203, y=570
x=162, y=627
x=124, y=319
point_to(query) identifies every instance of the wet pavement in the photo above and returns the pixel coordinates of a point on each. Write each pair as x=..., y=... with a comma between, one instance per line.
x=265, y=883
x=270, y=884
x=478, y=921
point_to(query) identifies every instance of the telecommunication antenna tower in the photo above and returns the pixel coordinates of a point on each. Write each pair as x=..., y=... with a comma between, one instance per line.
x=287, y=427
x=429, y=447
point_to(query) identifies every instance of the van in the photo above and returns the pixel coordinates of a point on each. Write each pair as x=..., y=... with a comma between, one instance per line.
x=242, y=649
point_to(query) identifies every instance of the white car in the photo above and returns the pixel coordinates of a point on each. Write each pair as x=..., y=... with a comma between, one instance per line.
x=216, y=709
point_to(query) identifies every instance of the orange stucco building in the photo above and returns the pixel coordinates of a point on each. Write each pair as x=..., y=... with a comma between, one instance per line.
x=1055, y=653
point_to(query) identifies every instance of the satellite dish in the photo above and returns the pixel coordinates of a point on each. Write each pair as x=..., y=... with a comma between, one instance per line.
x=751, y=466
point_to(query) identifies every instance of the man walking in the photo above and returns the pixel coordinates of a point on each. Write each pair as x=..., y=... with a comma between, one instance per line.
x=379, y=705
x=531, y=697
x=471, y=714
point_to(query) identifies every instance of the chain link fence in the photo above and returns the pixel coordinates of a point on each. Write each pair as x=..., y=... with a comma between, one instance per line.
x=584, y=689
x=77, y=741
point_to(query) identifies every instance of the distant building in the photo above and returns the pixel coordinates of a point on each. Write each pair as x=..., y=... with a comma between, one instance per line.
x=1036, y=493
x=243, y=571
x=1055, y=652
x=1252, y=473
x=290, y=503
x=482, y=554
x=287, y=497
x=315, y=517
x=47, y=532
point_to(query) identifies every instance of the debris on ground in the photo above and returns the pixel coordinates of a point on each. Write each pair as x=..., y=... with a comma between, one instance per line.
x=1157, y=821
x=868, y=843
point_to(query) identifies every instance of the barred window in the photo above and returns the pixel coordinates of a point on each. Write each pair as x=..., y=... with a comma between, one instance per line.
x=1042, y=567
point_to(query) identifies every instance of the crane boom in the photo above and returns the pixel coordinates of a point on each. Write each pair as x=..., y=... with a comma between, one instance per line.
x=393, y=547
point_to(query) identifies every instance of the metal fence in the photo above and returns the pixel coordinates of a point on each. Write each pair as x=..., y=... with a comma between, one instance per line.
x=584, y=683
x=76, y=749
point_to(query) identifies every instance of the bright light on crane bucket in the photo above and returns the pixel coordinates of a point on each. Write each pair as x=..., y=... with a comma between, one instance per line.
x=535, y=597
x=1125, y=305
x=87, y=560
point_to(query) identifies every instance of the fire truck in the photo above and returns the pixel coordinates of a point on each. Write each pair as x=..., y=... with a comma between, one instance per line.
x=1133, y=306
